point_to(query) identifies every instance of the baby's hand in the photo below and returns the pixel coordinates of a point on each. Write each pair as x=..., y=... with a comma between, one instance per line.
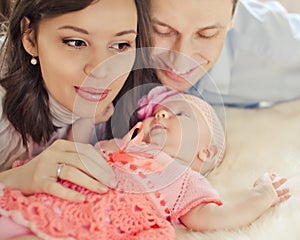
x=82, y=130
x=270, y=186
x=108, y=146
x=105, y=115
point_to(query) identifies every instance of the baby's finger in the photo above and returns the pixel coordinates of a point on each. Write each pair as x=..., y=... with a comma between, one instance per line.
x=272, y=176
x=284, y=198
x=282, y=192
x=278, y=183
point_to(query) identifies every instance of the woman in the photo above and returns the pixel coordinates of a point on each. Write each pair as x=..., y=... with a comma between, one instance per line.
x=48, y=82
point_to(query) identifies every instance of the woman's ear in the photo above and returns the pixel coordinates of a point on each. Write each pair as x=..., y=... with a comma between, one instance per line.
x=28, y=37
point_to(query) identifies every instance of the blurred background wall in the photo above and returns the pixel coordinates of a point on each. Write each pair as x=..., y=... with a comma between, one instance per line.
x=291, y=5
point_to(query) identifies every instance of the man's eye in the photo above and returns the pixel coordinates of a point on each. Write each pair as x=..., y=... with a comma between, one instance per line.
x=208, y=34
x=121, y=46
x=163, y=31
x=74, y=43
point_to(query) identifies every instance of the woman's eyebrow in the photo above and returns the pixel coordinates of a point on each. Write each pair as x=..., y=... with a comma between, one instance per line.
x=76, y=29
x=81, y=30
x=125, y=33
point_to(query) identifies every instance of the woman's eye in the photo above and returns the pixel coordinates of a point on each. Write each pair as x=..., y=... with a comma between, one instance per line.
x=121, y=46
x=74, y=43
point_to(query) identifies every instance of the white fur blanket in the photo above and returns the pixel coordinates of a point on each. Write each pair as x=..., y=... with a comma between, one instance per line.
x=258, y=141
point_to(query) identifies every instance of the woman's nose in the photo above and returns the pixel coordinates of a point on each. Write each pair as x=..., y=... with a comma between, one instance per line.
x=98, y=66
x=162, y=114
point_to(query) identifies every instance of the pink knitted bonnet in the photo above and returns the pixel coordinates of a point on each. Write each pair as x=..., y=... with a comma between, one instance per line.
x=158, y=95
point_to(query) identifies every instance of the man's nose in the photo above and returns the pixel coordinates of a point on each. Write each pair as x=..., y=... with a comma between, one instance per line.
x=182, y=55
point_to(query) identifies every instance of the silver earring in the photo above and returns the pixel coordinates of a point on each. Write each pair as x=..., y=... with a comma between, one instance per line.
x=33, y=60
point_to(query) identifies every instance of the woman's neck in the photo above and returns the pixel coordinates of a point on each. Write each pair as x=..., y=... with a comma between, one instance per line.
x=60, y=115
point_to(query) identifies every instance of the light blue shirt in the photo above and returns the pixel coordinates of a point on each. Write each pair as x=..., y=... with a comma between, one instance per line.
x=260, y=61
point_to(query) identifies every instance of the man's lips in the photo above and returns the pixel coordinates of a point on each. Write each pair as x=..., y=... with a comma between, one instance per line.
x=92, y=94
x=173, y=73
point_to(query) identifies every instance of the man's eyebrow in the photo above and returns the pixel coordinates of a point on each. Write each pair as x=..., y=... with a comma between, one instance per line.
x=156, y=21
x=81, y=30
x=216, y=25
x=213, y=26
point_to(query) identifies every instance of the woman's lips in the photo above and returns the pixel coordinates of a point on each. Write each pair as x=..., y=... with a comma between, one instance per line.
x=92, y=94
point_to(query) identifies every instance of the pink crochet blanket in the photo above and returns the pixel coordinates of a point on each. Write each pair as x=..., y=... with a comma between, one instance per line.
x=114, y=215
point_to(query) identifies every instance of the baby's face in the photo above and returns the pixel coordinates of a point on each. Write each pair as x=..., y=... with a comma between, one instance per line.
x=179, y=128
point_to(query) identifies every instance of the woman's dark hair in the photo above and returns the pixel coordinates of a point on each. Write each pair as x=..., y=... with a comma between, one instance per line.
x=26, y=103
x=4, y=10
x=5, y=7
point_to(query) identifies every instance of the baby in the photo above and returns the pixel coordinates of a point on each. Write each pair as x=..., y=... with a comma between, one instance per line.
x=160, y=174
x=171, y=123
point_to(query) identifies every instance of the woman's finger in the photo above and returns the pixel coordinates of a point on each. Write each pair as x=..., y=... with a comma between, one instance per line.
x=80, y=164
x=79, y=178
x=92, y=161
x=58, y=190
x=86, y=158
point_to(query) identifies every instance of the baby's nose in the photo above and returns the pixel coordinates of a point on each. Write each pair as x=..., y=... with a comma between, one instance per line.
x=162, y=114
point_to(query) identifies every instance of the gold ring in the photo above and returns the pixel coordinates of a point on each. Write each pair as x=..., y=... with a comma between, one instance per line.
x=59, y=169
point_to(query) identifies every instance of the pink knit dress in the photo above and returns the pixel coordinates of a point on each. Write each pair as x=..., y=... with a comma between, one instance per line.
x=153, y=192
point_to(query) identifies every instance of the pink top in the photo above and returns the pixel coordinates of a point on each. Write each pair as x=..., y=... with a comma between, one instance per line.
x=153, y=190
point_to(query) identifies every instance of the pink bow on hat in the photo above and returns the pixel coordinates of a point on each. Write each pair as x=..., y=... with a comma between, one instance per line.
x=149, y=102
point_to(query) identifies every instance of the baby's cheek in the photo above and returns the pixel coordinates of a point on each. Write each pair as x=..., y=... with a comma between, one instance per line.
x=146, y=129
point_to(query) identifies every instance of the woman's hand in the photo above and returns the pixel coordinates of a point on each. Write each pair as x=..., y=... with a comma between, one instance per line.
x=82, y=165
